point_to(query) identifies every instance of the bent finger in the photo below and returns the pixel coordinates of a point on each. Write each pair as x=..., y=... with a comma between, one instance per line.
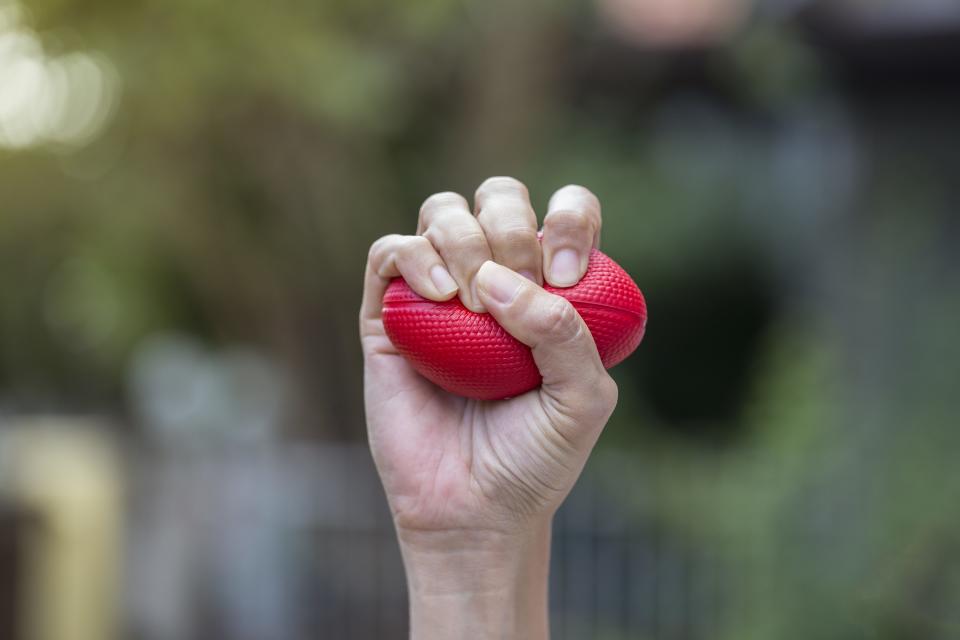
x=570, y=229
x=410, y=257
x=446, y=221
x=506, y=215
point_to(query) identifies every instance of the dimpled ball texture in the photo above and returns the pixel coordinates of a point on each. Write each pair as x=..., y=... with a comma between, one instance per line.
x=469, y=354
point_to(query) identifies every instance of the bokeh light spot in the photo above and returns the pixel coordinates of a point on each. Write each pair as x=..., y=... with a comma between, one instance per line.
x=63, y=100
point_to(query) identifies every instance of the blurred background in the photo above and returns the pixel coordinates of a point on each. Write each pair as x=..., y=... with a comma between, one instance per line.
x=187, y=193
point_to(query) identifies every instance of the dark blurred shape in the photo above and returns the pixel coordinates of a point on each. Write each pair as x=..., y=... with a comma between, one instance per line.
x=698, y=374
x=924, y=18
x=14, y=523
x=894, y=50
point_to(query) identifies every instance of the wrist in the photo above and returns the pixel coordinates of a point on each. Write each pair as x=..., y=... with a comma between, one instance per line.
x=478, y=584
x=471, y=560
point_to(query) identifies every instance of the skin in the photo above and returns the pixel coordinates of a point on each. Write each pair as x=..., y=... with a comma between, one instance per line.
x=472, y=485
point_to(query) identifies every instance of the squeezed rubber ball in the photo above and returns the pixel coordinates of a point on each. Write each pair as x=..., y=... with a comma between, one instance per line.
x=469, y=354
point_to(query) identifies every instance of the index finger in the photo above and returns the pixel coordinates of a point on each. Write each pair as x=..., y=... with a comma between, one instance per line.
x=413, y=258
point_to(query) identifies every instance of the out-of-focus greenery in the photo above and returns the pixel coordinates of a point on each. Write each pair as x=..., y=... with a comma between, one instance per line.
x=793, y=409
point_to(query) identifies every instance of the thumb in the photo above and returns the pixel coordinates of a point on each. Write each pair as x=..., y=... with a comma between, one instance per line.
x=574, y=378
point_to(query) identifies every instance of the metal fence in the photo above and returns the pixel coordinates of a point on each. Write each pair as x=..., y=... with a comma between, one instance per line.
x=296, y=542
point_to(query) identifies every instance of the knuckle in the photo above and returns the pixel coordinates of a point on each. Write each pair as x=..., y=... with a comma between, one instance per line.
x=607, y=391
x=381, y=245
x=578, y=192
x=515, y=238
x=599, y=399
x=440, y=201
x=452, y=235
x=457, y=243
x=561, y=320
x=469, y=243
x=500, y=184
x=568, y=222
x=412, y=245
x=411, y=252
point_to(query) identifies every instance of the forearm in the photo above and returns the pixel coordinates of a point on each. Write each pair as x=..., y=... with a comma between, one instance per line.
x=478, y=585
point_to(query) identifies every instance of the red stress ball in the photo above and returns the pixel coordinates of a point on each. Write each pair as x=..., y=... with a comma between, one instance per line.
x=469, y=354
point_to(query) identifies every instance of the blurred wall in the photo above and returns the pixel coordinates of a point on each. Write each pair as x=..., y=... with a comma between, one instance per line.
x=61, y=476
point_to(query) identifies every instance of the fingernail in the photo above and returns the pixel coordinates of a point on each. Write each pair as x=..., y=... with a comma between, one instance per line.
x=565, y=268
x=528, y=275
x=500, y=283
x=475, y=305
x=442, y=280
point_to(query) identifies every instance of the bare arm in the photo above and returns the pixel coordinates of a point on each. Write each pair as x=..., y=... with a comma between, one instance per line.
x=473, y=485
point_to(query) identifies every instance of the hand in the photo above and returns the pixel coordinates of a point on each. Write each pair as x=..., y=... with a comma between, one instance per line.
x=473, y=485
